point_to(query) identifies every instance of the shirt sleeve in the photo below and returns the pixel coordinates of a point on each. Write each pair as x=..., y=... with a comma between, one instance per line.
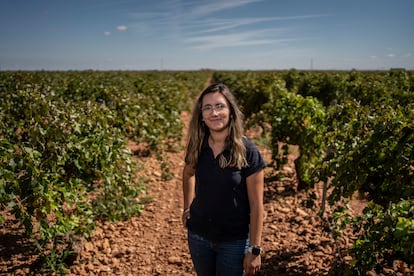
x=254, y=159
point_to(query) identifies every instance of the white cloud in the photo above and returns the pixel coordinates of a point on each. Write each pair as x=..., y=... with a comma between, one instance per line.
x=122, y=28
x=203, y=27
x=216, y=6
x=215, y=24
x=107, y=33
x=247, y=38
x=152, y=15
x=391, y=55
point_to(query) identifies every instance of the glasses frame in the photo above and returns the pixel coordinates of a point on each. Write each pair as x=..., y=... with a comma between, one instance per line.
x=209, y=109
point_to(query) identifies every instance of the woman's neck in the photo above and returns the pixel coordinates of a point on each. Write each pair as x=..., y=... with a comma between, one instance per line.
x=217, y=142
x=218, y=138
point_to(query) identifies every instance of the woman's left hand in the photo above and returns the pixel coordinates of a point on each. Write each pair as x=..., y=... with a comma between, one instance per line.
x=185, y=216
x=251, y=264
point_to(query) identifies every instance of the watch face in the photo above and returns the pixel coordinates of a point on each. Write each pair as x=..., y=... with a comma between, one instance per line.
x=256, y=251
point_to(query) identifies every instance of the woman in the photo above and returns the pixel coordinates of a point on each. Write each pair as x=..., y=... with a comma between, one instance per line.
x=223, y=188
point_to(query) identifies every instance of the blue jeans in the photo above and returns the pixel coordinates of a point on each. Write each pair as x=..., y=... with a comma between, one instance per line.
x=217, y=259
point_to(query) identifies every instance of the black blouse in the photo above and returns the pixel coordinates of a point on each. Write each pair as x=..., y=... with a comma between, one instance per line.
x=220, y=210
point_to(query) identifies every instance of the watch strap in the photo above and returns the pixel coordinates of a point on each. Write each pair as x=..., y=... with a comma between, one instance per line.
x=255, y=250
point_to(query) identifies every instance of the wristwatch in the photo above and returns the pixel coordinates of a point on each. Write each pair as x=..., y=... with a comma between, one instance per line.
x=255, y=250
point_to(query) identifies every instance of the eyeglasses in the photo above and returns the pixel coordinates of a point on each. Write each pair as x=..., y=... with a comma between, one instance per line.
x=209, y=108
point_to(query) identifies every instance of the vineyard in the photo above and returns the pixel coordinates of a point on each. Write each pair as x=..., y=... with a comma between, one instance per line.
x=67, y=166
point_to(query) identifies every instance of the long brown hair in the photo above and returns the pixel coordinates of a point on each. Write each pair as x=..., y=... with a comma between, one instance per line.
x=198, y=131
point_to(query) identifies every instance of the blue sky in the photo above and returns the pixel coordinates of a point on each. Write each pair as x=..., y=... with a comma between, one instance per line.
x=195, y=34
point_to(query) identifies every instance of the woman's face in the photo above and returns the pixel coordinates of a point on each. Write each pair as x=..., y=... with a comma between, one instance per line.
x=215, y=111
